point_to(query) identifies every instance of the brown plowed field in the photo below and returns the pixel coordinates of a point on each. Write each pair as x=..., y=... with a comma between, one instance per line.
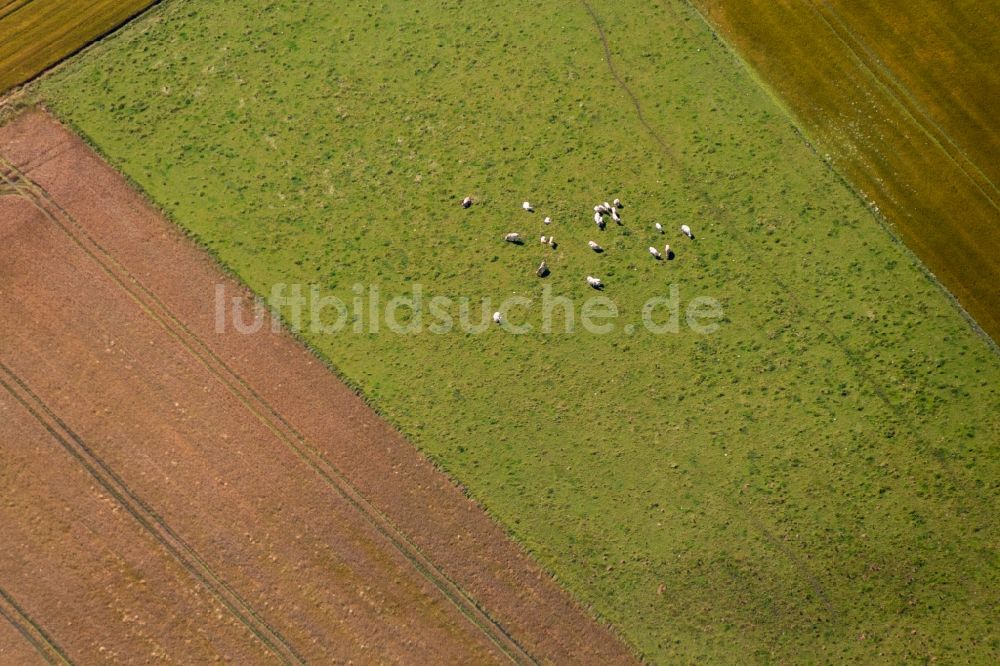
x=172, y=493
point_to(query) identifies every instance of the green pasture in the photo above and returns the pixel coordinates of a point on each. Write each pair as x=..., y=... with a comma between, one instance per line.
x=815, y=481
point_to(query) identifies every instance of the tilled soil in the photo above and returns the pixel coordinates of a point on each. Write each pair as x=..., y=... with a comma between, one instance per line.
x=172, y=493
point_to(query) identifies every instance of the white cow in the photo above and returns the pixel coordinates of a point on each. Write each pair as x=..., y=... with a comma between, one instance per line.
x=686, y=230
x=466, y=202
x=656, y=253
x=617, y=203
x=595, y=247
x=497, y=318
x=528, y=207
x=513, y=238
x=659, y=227
x=594, y=282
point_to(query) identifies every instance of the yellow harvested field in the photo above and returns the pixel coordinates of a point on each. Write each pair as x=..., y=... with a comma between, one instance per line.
x=902, y=97
x=36, y=34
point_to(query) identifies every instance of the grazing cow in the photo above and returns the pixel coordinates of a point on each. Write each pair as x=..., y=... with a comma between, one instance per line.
x=548, y=220
x=514, y=238
x=545, y=240
x=595, y=282
x=528, y=207
x=659, y=227
x=595, y=247
x=497, y=318
x=656, y=253
x=552, y=242
x=607, y=207
x=668, y=252
x=617, y=203
x=466, y=202
x=686, y=230
x=543, y=269
x=616, y=217
x=599, y=221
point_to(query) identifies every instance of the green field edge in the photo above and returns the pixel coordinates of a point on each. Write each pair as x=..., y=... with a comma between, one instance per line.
x=5, y=93
x=25, y=97
x=876, y=213
x=32, y=100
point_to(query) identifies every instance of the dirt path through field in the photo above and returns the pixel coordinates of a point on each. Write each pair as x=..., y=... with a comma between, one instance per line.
x=187, y=494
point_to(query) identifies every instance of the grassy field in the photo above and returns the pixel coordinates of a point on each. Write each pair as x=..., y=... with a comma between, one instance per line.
x=902, y=97
x=815, y=481
x=36, y=34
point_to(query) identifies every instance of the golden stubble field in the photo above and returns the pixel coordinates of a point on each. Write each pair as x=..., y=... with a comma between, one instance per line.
x=36, y=34
x=901, y=98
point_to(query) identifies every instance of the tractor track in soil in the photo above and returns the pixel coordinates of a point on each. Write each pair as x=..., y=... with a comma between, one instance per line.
x=563, y=631
x=33, y=632
x=263, y=411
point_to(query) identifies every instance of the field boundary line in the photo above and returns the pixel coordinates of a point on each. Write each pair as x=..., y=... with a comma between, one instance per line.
x=109, y=32
x=259, y=407
x=883, y=222
x=796, y=301
x=147, y=518
x=859, y=369
x=851, y=356
x=32, y=631
x=900, y=96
